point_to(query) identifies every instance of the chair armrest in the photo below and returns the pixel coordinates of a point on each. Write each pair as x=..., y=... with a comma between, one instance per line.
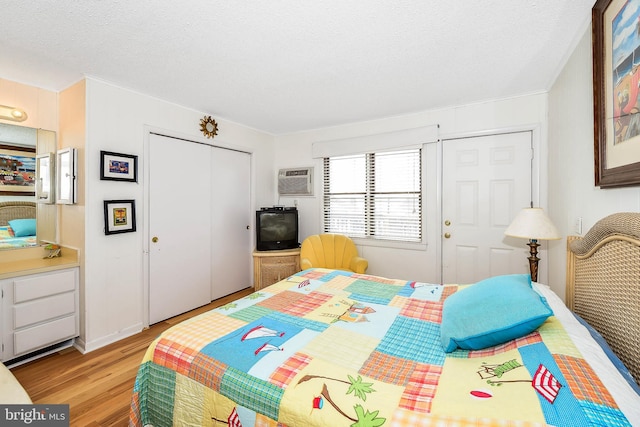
x=358, y=264
x=305, y=263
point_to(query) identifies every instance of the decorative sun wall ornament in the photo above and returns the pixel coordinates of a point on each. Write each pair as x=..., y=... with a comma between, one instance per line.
x=208, y=126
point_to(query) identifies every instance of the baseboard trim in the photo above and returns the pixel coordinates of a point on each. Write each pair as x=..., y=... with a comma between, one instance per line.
x=88, y=346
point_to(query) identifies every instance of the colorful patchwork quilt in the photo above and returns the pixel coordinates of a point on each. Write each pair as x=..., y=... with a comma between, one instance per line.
x=334, y=348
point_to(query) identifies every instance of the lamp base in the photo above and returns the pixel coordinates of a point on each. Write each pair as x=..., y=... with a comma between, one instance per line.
x=533, y=259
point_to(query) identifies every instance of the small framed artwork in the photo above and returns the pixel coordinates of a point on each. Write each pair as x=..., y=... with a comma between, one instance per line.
x=119, y=216
x=118, y=167
x=616, y=92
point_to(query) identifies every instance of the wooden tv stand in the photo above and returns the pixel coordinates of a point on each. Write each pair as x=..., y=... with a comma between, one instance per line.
x=270, y=267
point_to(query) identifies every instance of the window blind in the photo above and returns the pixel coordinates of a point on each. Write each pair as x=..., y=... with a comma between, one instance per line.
x=374, y=195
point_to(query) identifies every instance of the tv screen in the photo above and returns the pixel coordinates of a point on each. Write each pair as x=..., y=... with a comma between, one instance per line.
x=276, y=229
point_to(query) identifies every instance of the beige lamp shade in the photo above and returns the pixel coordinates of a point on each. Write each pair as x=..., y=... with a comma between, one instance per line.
x=532, y=223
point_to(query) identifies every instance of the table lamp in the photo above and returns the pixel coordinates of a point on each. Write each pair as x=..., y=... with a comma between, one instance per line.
x=533, y=224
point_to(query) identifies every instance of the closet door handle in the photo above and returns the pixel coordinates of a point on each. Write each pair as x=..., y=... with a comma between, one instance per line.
x=154, y=239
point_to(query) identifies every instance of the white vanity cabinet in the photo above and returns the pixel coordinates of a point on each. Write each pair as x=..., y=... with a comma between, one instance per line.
x=38, y=311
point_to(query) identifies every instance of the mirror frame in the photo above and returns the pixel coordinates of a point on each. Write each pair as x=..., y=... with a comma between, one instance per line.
x=67, y=185
x=45, y=178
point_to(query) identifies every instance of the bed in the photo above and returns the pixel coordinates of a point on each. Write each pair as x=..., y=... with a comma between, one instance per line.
x=603, y=283
x=22, y=215
x=335, y=348
x=11, y=391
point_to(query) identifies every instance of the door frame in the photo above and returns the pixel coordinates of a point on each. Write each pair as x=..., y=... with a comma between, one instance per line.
x=220, y=142
x=538, y=178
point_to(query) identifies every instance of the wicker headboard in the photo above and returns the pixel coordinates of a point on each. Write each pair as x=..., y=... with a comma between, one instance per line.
x=16, y=210
x=603, y=283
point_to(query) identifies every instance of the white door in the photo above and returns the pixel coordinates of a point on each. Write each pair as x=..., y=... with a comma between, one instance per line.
x=486, y=181
x=179, y=226
x=231, y=258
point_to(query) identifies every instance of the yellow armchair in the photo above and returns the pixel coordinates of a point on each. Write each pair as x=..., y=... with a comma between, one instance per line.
x=331, y=251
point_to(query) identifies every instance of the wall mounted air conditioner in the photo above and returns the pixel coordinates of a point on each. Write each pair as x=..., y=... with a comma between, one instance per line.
x=295, y=182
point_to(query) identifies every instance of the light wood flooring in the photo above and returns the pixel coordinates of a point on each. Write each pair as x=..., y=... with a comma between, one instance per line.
x=97, y=385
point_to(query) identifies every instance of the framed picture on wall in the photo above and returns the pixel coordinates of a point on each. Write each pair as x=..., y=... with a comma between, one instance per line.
x=616, y=93
x=119, y=216
x=17, y=170
x=118, y=167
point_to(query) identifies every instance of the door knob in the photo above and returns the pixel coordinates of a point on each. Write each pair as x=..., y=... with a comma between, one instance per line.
x=154, y=239
x=447, y=235
x=447, y=223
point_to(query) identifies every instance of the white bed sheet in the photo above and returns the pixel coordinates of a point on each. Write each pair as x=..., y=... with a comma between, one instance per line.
x=627, y=399
x=11, y=392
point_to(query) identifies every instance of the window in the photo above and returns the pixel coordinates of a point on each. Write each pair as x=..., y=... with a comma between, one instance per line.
x=374, y=195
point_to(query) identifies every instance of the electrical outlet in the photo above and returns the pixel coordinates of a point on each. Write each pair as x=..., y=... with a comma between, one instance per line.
x=578, y=226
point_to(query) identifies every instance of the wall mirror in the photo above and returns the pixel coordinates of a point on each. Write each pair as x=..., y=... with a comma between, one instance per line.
x=19, y=200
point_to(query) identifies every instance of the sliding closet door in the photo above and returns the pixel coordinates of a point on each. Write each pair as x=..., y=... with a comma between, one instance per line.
x=179, y=226
x=231, y=238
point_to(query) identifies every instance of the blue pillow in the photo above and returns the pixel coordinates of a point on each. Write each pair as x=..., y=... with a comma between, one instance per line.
x=23, y=227
x=491, y=312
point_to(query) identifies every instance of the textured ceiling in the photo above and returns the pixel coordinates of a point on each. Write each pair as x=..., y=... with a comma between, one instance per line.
x=289, y=65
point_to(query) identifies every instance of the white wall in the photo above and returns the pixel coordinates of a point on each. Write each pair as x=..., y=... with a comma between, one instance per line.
x=572, y=192
x=116, y=121
x=294, y=150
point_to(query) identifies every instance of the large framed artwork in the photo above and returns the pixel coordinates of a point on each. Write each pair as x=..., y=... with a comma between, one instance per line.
x=616, y=92
x=17, y=170
x=119, y=216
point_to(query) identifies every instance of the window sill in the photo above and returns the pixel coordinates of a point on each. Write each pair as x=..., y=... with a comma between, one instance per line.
x=391, y=244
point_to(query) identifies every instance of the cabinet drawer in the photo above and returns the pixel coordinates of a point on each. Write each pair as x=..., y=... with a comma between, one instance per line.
x=279, y=261
x=42, y=286
x=31, y=339
x=43, y=309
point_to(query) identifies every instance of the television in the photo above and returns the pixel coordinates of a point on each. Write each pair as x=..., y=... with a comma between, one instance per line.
x=276, y=229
